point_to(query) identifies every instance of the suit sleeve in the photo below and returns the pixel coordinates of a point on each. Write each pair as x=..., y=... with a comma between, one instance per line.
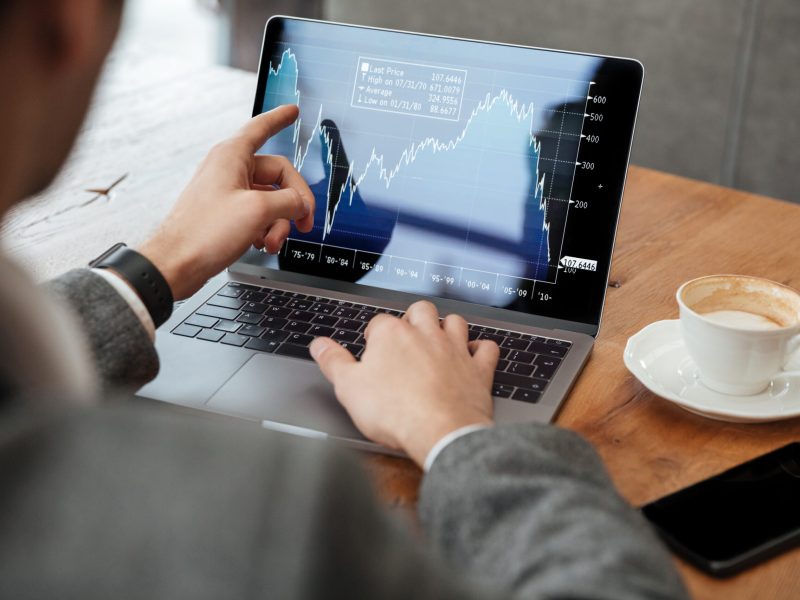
x=121, y=348
x=531, y=507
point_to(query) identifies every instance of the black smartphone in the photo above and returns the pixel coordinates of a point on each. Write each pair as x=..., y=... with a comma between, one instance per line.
x=735, y=519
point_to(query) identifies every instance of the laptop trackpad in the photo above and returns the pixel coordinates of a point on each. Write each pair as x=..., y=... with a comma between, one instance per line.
x=284, y=390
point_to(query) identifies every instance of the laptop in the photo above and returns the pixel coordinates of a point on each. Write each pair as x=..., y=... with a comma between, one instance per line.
x=484, y=177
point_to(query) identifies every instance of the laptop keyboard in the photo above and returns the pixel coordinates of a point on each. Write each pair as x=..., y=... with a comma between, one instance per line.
x=284, y=323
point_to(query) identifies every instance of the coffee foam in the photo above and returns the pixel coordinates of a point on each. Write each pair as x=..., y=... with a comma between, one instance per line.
x=768, y=300
x=741, y=320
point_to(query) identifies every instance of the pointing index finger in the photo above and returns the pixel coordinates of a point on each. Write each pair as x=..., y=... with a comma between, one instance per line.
x=262, y=127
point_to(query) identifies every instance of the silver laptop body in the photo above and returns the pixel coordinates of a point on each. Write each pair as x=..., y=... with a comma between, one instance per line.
x=213, y=356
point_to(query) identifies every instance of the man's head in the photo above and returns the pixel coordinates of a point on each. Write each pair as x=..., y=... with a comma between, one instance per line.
x=51, y=53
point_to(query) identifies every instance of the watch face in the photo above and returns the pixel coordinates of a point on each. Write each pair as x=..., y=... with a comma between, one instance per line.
x=96, y=262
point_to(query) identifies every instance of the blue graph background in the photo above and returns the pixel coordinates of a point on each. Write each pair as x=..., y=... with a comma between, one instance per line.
x=485, y=192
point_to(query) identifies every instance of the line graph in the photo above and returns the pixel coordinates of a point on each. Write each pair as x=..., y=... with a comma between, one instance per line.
x=494, y=181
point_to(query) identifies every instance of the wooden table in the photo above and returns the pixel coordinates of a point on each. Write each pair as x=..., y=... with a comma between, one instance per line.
x=155, y=118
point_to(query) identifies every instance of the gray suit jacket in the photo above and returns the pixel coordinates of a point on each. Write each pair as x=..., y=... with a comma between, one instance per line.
x=132, y=500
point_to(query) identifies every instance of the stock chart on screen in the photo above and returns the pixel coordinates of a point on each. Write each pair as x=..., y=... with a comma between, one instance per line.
x=439, y=167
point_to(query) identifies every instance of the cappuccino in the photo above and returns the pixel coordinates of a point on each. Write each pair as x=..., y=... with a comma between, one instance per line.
x=741, y=320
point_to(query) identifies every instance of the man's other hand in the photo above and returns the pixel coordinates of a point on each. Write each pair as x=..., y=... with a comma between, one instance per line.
x=232, y=203
x=417, y=381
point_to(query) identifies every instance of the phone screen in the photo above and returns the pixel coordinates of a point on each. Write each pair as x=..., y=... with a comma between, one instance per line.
x=734, y=518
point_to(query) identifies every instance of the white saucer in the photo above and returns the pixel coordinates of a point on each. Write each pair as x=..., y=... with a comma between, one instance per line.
x=658, y=358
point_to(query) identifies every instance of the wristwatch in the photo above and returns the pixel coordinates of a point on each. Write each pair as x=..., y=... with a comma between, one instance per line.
x=142, y=276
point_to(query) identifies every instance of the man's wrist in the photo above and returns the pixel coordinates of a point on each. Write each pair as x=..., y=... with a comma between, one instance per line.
x=419, y=444
x=169, y=263
x=448, y=439
x=142, y=275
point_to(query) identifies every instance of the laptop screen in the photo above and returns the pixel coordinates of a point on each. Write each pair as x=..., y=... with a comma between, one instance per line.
x=478, y=172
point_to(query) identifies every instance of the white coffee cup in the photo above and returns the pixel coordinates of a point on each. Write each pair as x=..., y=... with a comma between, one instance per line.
x=740, y=331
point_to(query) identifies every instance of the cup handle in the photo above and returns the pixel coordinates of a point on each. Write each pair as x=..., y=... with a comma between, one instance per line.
x=792, y=353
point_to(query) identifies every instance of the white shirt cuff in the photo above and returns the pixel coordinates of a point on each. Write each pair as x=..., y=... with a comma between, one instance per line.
x=449, y=439
x=131, y=297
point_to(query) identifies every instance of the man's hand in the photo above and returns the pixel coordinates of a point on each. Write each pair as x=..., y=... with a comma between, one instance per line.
x=417, y=381
x=231, y=203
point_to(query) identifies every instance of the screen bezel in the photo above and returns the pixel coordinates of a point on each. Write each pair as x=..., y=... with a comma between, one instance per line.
x=444, y=304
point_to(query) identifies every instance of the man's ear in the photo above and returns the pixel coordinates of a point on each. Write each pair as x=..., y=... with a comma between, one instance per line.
x=74, y=33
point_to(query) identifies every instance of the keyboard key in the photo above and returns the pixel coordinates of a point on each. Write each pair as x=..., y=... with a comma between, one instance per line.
x=345, y=336
x=562, y=343
x=299, y=304
x=274, y=335
x=349, y=324
x=224, y=302
x=520, y=381
x=324, y=309
x=262, y=345
x=366, y=308
x=520, y=356
x=490, y=336
x=301, y=339
x=218, y=312
x=274, y=322
x=278, y=311
x=346, y=313
x=321, y=331
x=276, y=300
x=302, y=315
x=255, y=307
x=327, y=320
x=228, y=326
x=513, y=334
x=504, y=352
x=254, y=296
x=520, y=368
x=365, y=316
x=251, y=330
x=502, y=391
x=210, y=335
x=546, y=366
x=515, y=343
x=251, y=318
x=201, y=321
x=547, y=361
x=233, y=339
x=294, y=351
x=297, y=326
x=244, y=286
x=527, y=396
x=502, y=365
x=296, y=295
x=483, y=329
x=548, y=350
x=231, y=292
x=187, y=330
x=354, y=349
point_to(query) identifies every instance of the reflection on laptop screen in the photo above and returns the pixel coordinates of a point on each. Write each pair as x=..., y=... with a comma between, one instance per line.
x=449, y=168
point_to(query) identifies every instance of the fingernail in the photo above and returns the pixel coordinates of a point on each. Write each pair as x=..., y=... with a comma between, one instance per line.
x=317, y=348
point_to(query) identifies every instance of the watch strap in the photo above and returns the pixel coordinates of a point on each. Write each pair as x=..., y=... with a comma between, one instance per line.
x=142, y=275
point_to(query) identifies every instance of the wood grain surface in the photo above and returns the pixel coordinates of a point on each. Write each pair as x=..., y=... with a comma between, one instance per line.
x=155, y=118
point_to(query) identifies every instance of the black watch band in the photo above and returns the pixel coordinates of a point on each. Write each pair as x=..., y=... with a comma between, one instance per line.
x=143, y=277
